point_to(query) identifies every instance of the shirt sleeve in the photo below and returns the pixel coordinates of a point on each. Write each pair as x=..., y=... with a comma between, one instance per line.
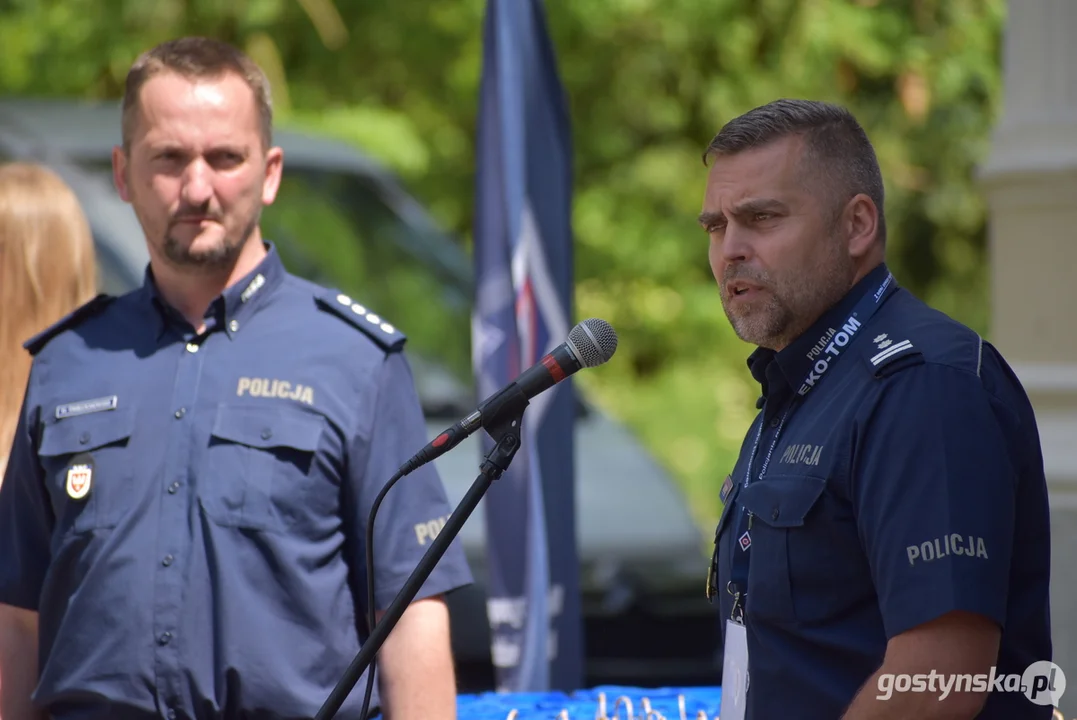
x=934, y=489
x=26, y=520
x=415, y=509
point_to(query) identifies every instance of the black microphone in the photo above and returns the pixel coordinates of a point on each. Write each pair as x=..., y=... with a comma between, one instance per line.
x=590, y=343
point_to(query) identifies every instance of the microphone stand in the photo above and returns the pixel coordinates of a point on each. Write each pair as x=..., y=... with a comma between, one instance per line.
x=502, y=416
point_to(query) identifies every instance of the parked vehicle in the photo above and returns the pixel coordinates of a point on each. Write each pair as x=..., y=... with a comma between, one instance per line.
x=344, y=221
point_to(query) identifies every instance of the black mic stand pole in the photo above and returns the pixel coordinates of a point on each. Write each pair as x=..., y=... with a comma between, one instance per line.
x=504, y=413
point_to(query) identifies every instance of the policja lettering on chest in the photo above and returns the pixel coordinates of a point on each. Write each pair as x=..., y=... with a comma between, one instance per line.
x=802, y=454
x=273, y=388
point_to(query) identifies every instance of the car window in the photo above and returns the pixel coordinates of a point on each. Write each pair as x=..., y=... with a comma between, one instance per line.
x=335, y=229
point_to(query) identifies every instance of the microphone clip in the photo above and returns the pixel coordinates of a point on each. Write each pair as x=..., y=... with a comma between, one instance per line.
x=502, y=417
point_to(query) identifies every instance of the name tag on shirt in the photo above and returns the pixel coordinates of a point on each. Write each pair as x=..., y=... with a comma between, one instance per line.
x=734, y=672
x=85, y=407
x=727, y=486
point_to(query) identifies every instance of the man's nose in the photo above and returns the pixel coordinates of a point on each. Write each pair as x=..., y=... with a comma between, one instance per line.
x=736, y=246
x=197, y=185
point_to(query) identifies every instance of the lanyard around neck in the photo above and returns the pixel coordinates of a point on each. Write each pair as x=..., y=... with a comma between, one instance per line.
x=839, y=343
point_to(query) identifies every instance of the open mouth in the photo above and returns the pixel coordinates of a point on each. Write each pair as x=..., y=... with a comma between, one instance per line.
x=738, y=288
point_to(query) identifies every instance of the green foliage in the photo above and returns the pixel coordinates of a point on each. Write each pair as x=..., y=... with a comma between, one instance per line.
x=330, y=228
x=650, y=82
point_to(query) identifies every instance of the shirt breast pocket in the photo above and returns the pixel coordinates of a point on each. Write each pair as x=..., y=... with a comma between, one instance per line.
x=258, y=465
x=89, y=468
x=782, y=508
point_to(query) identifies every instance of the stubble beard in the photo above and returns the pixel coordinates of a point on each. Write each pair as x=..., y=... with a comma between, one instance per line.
x=762, y=322
x=221, y=257
x=789, y=305
x=181, y=256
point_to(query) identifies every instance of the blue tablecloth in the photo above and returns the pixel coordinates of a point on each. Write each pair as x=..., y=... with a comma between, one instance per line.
x=619, y=703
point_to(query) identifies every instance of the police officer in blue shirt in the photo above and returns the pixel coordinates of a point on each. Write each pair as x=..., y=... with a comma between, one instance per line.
x=884, y=547
x=183, y=517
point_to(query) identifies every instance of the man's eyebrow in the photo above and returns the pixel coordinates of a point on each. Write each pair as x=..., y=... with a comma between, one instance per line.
x=159, y=145
x=745, y=207
x=754, y=205
x=224, y=146
x=709, y=217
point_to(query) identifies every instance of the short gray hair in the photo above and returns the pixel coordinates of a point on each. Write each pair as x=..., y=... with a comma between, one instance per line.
x=835, y=147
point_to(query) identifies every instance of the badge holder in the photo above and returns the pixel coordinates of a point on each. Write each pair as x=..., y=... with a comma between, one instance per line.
x=735, y=660
x=501, y=419
x=734, y=670
x=735, y=649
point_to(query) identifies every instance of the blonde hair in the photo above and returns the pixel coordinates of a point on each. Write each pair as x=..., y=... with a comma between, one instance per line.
x=47, y=269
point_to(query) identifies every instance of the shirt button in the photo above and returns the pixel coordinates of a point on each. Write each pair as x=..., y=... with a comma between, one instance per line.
x=171, y=714
x=266, y=434
x=192, y=348
x=173, y=488
x=167, y=560
x=774, y=422
x=84, y=438
x=234, y=325
x=165, y=638
x=774, y=514
x=180, y=413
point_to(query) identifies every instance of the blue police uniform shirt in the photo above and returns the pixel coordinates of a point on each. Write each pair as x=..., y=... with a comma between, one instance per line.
x=907, y=482
x=188, y=513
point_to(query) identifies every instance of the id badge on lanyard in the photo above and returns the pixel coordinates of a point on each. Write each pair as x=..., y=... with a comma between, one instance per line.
x=734, y=672
x=735, y=663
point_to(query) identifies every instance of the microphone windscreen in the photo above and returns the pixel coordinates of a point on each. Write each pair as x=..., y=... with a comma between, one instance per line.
x=594, y=341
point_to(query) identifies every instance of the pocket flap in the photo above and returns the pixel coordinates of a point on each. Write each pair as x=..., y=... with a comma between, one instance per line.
x=783, y=501
x=268, y=427
x=87, y=432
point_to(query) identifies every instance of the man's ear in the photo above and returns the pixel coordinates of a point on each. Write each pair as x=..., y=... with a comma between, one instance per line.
x=860, y=225
x=274, y=169
x=119, y=172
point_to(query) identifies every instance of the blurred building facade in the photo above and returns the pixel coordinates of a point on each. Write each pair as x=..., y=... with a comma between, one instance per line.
x=1030, y=182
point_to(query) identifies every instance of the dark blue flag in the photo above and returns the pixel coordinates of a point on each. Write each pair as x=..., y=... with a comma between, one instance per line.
x=524, y=274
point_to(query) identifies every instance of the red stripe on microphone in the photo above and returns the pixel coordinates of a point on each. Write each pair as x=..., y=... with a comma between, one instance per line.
x=554, y=368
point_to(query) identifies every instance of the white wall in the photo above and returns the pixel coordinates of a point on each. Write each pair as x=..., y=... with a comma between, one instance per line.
x=1030, y=182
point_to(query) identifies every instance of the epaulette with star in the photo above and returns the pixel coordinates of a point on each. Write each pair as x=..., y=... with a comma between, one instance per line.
x=886, y=355
x=385, y=334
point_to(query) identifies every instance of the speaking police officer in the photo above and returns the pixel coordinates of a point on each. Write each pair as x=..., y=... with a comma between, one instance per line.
x=182, y=521
x=884, y=547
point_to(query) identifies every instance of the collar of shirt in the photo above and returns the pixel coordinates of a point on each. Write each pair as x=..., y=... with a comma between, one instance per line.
x=233, y=307
x=785, y=370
